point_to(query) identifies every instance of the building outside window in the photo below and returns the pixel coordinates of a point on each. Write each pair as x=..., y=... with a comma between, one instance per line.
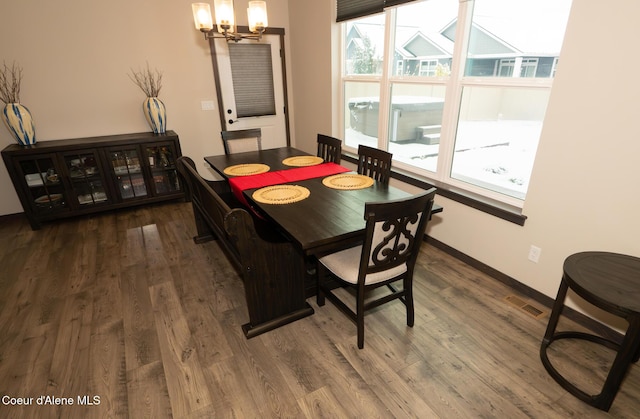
x=457, y=91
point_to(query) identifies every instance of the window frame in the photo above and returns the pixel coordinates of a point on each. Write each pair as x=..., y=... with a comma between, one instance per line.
x=454, y=83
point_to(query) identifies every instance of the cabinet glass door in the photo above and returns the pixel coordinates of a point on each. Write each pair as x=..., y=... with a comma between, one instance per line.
x=86, y=178
x=129, y=176
x=45, y=187
x=162, y=161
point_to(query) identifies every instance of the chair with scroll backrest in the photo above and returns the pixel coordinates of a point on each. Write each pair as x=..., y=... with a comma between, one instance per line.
x=374, y=163
x=329, y=148
x=242, y=140
x=394, y=233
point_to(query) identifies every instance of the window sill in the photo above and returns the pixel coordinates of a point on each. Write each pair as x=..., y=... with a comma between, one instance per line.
x=496, y=209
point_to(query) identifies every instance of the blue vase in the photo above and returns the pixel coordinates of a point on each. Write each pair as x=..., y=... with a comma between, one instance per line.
x=156, y=114
x=18, y=120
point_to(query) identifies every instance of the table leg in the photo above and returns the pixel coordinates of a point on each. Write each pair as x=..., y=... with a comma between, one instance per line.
x=627, y=352
x=558, y=306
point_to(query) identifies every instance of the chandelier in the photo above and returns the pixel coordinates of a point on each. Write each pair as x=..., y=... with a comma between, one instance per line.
x=225, y=20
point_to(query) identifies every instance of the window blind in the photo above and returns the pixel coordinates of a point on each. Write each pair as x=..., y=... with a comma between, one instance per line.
x=252, y=74
x=350, y=9
x=389, y=3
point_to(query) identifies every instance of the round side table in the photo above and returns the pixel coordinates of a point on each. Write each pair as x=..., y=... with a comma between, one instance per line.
x=611, y=282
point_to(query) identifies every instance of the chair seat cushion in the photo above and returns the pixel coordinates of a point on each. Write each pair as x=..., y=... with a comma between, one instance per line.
x=345, y=265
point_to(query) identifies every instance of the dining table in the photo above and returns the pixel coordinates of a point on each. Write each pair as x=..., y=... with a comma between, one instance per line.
x=323, y=217
x=327, y=219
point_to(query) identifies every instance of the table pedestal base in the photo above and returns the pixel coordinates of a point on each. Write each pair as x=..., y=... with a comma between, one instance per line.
x=251, y=331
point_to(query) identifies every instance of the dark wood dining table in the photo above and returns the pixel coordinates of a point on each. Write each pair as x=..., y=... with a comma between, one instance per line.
x=328, y=220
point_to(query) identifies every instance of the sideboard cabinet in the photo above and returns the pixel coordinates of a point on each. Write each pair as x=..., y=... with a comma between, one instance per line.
x=66, y=178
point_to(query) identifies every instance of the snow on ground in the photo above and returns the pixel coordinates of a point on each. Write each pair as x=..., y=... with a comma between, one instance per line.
x=497, y=155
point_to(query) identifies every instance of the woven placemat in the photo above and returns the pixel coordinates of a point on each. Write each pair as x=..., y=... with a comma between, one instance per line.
x=300, y=161
x=347, y=181
x=281, y=194
x=246, y=169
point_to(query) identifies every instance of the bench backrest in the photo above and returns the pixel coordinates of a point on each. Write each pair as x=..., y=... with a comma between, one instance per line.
x=271, y=267
x=210, y=209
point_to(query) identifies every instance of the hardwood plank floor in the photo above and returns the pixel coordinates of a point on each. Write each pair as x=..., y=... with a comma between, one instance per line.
x=126, y=308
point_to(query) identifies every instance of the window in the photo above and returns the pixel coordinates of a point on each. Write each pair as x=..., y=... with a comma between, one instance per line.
x=462, y=104
x=506, y=67
x=554, y=67
x=529, y=67
x=428, y=67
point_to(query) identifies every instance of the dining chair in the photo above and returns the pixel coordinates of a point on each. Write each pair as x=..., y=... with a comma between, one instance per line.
x=242, y=140
x=329, y=148
x=394, y=233
x=374, y=163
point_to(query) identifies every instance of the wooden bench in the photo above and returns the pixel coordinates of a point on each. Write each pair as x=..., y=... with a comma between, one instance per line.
x=272, y=268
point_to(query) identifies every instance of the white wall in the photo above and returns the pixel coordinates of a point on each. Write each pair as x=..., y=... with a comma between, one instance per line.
x=582, y=194
x=310, y=37
x=76, y=57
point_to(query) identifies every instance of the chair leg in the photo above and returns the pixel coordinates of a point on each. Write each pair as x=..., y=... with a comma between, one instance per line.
x=360, y=317
x=408, y=291
x=636, y=357
x=320, y=274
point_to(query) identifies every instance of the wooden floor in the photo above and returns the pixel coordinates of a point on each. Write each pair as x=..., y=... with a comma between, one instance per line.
x=124, y=311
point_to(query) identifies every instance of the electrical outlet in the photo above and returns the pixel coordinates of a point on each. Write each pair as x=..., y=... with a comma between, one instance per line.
x=534, y=253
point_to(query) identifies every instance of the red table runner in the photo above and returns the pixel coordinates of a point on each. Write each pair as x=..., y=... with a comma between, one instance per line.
x=241, y=183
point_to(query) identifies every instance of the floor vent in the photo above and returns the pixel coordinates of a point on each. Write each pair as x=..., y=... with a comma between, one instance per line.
x=531, y=310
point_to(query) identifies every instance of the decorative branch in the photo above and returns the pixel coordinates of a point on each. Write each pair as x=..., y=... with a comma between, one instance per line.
x=149, y=81
x=10, y=79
